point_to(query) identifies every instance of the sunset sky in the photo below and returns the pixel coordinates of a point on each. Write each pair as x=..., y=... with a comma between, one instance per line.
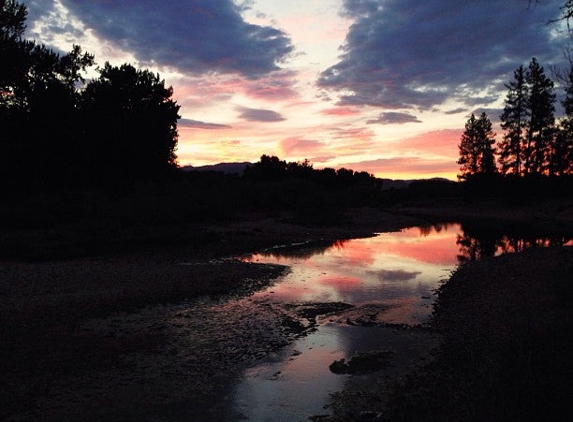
x=383, y=86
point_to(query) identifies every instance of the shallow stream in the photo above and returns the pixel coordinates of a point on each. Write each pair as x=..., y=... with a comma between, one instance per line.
x=390, y=279
x=392, y=276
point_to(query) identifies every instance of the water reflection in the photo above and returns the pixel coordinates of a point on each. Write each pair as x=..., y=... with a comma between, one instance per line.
x=477, y=242
x=301, y=250
x=400, y=269
x=397, y=272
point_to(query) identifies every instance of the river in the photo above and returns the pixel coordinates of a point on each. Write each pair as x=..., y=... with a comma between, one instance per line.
x=391, y=277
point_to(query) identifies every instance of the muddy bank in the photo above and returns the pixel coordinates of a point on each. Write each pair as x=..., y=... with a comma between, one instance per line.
x=505, y=355
x=59, y=346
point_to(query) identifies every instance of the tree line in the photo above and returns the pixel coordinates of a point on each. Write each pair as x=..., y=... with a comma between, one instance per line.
x=272, y=168
x=61, y=132
x=534, y=142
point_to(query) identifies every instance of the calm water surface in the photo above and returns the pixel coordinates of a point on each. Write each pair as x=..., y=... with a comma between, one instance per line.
x=401, y=269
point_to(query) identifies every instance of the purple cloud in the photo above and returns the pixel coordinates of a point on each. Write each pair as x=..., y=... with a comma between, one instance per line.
x=393, y=118
x=418, y=54
x=190, y=123
x=258, y=115
x=194, y=36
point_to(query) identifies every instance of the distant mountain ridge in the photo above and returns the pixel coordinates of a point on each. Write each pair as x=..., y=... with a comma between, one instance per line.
x=230, y=168
x=239, y=168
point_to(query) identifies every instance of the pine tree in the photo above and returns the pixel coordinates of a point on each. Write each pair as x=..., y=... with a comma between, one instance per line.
x=476, y=148
x=540, y=130
x=514, y=121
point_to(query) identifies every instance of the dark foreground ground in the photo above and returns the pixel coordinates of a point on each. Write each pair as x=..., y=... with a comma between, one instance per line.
x=111, y=336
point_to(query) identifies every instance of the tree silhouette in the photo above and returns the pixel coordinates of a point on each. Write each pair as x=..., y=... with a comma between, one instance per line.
x=561, y=153
x=269, y=168
x=476, y=151
x=540, y=129
x=130, y=125
x=56, y=135
x=38, y=112
x=514, y=122
x=529, y=122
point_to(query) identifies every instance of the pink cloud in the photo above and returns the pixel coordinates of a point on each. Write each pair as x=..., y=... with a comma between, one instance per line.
x=205, y=91
x=439, y=249
x=353, y=133
x=340, y=282
x=298, y=146
x=211, y=89
x=322, y=159
x=360, y=255
x=340, y=111
x=439, y=142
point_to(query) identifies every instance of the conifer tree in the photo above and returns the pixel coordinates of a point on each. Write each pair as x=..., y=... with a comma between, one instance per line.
x=529, y=122
x=514, y=121
x=540, y=130
x=476, y=148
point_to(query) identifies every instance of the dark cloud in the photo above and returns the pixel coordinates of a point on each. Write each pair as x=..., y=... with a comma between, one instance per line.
x=258, y=115
x=189, y=123
x=492, y=113
x=194, y=36
x=456, y=110
x=392, y=118
x=411, y=53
